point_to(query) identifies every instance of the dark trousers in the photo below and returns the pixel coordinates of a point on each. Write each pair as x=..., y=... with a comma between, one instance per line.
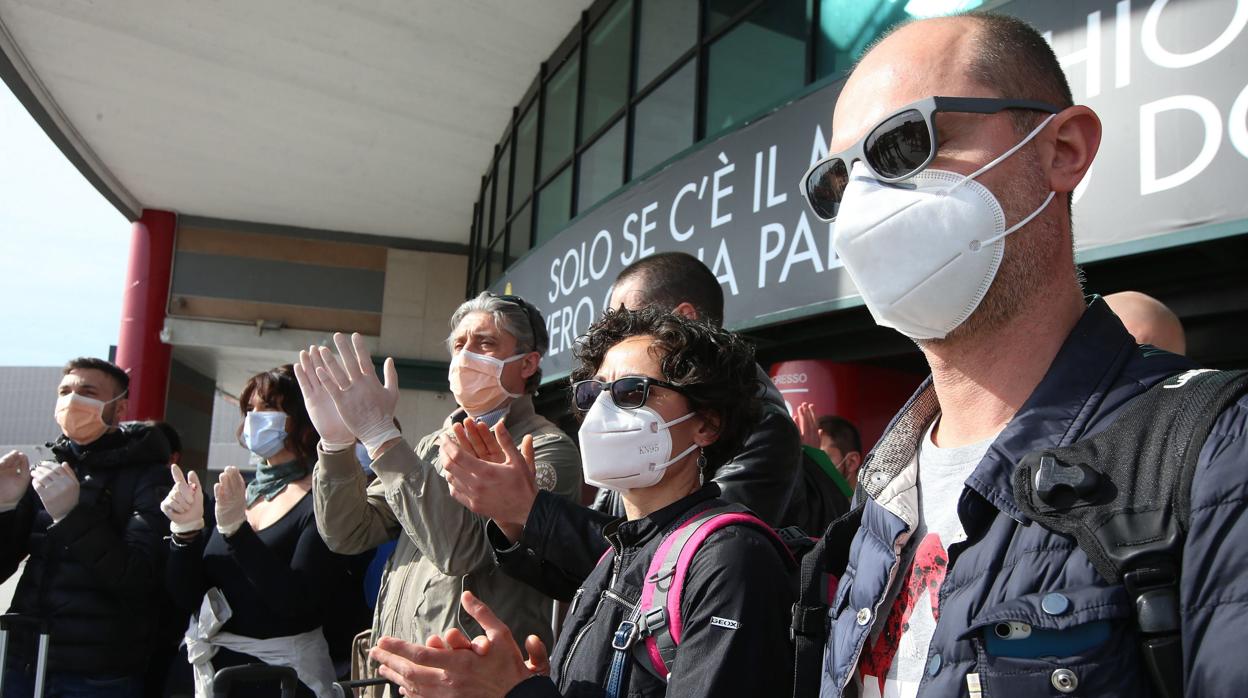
x=20, y=683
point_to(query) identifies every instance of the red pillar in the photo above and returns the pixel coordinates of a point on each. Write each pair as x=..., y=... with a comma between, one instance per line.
x=139, y=349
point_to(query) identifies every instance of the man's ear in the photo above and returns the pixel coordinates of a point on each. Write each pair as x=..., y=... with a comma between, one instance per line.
x=686, y=309
x=529, y=364
x=120, y=407
x=853, y=459
x=1077, y=137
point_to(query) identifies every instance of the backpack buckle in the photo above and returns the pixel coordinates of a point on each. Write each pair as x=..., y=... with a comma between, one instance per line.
x=809, y=621
x=652, y=620
x=1155, y=591
x=1054, y=479
x=625, y=636
x=795, y=539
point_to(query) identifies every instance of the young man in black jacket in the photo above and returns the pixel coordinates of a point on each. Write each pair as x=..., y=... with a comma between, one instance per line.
x=89, y=527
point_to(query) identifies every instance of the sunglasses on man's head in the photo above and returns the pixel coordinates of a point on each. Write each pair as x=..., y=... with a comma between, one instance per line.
x=898, y=148
x=629, y=392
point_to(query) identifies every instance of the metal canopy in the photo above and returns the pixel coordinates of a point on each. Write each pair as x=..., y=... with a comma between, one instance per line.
x=374, y=117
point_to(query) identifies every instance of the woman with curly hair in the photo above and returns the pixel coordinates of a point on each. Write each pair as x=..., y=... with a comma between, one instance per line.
x=259, y=581
x=663, y=401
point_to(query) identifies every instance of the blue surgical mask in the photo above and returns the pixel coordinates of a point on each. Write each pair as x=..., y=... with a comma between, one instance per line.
x=264, y=433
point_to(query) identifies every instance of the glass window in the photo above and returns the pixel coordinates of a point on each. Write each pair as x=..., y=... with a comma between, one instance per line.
x=500, y=193
x=602, y=167
x=554, y=205
x=560, y=120
x=526, y=152
x=846, y=28
x=756, y=64
x=494, y=263
x=521, y=231
x=663, y=121
x=718, y=12
x=606, y=66
x=668, y=29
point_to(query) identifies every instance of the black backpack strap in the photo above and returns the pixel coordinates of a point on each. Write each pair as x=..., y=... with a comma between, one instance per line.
x=1125, y=496
x=820, y=568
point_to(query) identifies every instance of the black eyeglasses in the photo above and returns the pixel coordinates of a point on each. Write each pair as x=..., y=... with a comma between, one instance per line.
x=629, y=392
x=899, y=147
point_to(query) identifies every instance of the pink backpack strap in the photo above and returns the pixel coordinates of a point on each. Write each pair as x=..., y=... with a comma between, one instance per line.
x=659, y=606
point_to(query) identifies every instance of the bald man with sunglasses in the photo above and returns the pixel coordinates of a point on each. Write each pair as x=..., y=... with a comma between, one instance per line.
x=956, y=148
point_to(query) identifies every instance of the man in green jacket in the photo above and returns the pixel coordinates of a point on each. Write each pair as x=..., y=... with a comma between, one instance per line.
x=496, y=344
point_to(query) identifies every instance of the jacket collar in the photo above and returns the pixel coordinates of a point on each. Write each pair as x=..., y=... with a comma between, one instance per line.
x=623, y=533
x=1068, y=396
x=516, y=412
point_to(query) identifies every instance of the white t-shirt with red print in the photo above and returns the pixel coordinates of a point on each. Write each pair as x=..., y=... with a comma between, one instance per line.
x=895, y=657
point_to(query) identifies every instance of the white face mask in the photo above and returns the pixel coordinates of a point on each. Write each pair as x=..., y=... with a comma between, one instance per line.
x=477, y=381
x=626, y=449
x=924, y=252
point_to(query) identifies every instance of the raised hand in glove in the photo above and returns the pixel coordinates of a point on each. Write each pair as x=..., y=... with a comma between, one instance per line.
x=57, y=487
x=365, y=405
x=14, y=479
x=184, y=505
x=335, y=436
x=231, y=494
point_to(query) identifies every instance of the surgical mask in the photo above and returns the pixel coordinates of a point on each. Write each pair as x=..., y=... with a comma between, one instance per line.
x=924, y=252
x=626, y=449
x=477, y=381
x=264, y=433
x=82, y=418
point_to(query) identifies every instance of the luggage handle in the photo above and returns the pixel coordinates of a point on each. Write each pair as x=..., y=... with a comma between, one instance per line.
x=8, y=620
x=224, y=678
x=346, y=689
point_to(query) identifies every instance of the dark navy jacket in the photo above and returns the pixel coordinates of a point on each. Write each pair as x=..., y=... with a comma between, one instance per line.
x=1008, y=564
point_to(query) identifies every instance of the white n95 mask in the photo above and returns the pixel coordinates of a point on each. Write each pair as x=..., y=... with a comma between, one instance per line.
x=924, y=252
x=626, y=449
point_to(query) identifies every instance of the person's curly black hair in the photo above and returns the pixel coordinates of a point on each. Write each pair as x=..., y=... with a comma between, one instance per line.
x=714, y=367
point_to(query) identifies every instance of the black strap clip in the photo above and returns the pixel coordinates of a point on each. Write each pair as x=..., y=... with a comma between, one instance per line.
x=1055, y=481
x=1155, y=591
x=809, y=621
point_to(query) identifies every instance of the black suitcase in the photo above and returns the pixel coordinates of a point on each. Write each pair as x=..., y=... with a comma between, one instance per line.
x=9, y=620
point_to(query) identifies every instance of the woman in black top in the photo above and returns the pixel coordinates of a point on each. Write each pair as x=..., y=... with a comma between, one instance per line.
x=664, y=401
x=264, y=555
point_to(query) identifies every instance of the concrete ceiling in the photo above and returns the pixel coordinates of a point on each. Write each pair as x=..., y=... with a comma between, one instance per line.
x=367, y=116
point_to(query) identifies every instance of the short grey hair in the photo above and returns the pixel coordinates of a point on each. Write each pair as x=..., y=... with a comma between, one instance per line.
x=511, y=318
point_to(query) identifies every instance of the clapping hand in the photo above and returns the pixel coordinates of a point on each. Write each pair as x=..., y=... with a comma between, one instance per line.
x=487, y=667
x=365, y=405
x=231, y=494
x=57, y=487
x=14, y=479
x=321, y=409
x=184, y=505
x=490, y=476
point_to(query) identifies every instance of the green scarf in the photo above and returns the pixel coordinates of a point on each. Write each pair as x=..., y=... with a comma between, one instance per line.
x=272, y=479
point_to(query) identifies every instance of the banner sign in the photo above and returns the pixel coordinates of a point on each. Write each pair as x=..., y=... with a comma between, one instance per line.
x=1168, y=79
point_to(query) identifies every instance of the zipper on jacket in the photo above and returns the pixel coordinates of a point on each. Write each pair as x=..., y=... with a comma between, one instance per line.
x=576, y=641
x=615, y=569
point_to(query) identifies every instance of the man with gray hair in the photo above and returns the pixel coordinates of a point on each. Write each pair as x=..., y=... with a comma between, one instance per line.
x=496, y=344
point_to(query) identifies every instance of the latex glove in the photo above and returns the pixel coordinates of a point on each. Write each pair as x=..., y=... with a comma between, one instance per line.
x=14, y=479
x=364, y=403
x=335, y=436
x=184, y=505
x=57, y=487
x=231, y=494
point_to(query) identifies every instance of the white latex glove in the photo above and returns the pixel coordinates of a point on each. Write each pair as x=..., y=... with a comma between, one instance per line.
x=57, y=487
x=364, y=403
x=231, y=493
x=335, y=436
x=14, y=479
x=184, y=505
